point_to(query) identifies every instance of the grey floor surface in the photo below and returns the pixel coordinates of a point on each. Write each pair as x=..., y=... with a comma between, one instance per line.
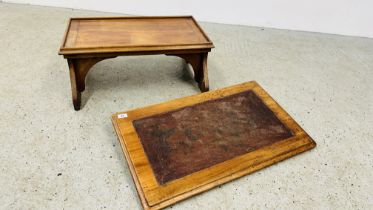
x=52, y=157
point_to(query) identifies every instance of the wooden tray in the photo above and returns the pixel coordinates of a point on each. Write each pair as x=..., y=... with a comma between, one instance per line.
x=133, y=34
x=186, y=146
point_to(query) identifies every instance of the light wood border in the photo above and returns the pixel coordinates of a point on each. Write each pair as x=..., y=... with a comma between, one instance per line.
x=134, y=48
x=155, y=196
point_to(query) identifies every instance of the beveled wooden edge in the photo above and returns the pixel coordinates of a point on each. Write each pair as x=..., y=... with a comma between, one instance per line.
x=135, y=53
x=130, y=17
x=135, y=48
x=131, y=167
x=142, y=49
x=65, y=36
x=300, y=142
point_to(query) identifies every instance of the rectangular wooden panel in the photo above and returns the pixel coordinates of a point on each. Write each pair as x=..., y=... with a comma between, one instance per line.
x=129, y=33
x=183, y=147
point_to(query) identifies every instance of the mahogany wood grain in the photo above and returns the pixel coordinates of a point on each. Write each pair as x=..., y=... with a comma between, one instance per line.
x=90, y=40
x=287, y=140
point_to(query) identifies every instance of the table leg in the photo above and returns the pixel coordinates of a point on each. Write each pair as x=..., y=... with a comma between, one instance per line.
x=76, y=94
x=199, y=64
x=79, y=68
x=202, y=79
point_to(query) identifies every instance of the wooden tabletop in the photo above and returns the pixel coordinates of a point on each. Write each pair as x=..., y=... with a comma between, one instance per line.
x=182, y=147
x=133, y=34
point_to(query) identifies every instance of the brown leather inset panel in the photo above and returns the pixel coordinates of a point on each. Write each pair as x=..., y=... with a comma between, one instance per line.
x=187, y=140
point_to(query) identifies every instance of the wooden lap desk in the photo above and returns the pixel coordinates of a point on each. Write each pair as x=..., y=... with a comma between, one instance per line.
x=186, y=146
x=90, y=40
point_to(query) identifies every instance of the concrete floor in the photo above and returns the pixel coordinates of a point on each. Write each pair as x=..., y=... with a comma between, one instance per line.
x=52, y=157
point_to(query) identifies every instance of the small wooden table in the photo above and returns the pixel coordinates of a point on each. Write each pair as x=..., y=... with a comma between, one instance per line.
x=186, y=146
x=90, y=40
